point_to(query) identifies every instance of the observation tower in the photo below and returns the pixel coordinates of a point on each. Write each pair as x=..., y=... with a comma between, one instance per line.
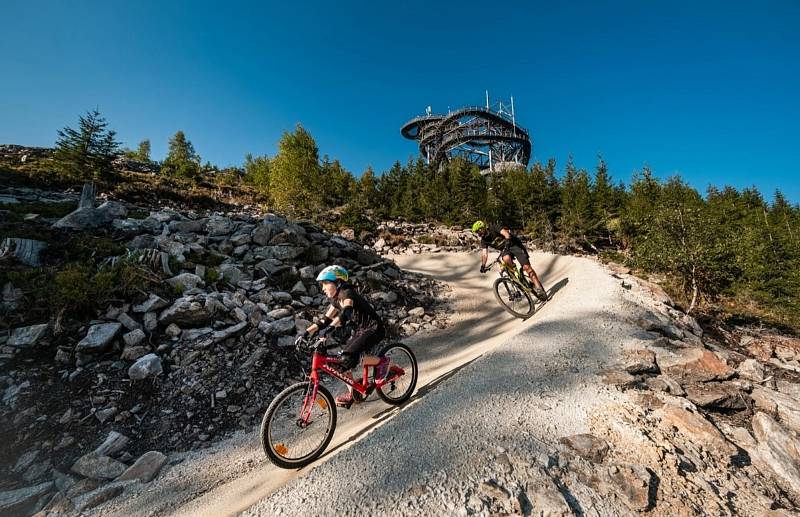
x=487, y=136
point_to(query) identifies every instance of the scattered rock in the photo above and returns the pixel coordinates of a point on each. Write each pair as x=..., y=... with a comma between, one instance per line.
x=587, y=446
x=22, y=337
x=145, y=468
x=97, y=466
x=25, y=501
x=99, y=337
x=144, y=367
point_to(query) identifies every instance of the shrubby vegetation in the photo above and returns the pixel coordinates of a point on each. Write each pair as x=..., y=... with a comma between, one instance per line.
x=723, y=244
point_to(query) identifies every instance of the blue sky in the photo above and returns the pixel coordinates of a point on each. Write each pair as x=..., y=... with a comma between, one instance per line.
x=708, y=90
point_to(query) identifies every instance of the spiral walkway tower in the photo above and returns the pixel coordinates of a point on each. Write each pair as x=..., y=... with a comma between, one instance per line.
x=487, y=136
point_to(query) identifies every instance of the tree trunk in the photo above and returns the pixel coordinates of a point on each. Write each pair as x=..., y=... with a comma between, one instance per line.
x=695, y=292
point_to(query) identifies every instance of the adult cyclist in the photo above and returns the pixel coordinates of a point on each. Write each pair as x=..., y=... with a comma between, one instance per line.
x=501, y=238
x=349, y=307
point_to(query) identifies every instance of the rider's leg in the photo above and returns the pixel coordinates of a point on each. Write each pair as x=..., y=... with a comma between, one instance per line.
x=521, y=254
x=533, y=276
x=362, y=340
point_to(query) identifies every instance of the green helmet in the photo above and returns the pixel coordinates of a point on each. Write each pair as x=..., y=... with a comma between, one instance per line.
x=479, y=225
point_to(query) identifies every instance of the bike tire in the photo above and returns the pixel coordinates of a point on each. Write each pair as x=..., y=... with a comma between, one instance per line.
x=508, y=287
x=273, y=451
x=387, y=395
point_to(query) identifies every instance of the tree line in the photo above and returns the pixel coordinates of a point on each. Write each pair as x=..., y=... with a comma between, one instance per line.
x=725, y=243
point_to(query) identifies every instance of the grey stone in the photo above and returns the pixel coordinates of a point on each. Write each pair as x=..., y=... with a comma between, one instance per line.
x=144, y=367
x=186, y=311
x=134, y=338
x=173, y=330
x=587, y=446
x=26, y=460
x=99, y=337
x=128, y=322
x=187, y=226
x=780, y=404
x=278, y=327
x=416, y=312
x=146, y=467
x=281, y=297
x=27, y=336
x=279, y=313
x=100, y=495
x=115, y=442
x=150, y=321
x=25, y=501
x=222, y=335
x=218, y=225
x=231, y=273
x=96, y=466
x=87, y=218
x=299, y=289
x=185, y=281
x=780, y=451
x=751, y=369
x=280, y=252
x=153, y=303
x=132, y=353
x=27, y=251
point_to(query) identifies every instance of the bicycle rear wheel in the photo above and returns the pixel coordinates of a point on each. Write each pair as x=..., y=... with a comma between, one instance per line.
x=289, y=439
x=513, y=298
x=400, y=386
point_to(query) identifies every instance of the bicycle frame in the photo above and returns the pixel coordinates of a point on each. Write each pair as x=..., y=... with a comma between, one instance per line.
x=319, y=364
x=511, y=272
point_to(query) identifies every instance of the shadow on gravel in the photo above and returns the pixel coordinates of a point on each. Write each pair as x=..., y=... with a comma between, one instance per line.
x=513, y=391
x=392, y=410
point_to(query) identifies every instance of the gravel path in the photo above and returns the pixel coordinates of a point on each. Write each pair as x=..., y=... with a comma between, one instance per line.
x=510, y=405
x=491, y=387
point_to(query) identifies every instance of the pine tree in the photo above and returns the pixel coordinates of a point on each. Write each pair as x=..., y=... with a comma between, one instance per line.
x=294, y=173
x=143, y=151
x=182, y=160
x=87, y=153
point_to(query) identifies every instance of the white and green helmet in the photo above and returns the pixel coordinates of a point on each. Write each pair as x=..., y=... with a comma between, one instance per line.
x=333, y=274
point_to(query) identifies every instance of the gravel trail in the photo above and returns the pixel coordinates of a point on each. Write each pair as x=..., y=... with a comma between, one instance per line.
x=490, y=386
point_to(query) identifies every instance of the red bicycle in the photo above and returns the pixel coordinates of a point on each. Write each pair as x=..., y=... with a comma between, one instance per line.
x=301, y=420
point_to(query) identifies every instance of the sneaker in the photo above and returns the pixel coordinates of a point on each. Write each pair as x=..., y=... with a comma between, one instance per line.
x=345, y=400
x=381, y=369
x=541, y=294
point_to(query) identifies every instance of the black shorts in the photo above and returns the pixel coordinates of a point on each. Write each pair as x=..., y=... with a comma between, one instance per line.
x=364, y=339
x=519, y=253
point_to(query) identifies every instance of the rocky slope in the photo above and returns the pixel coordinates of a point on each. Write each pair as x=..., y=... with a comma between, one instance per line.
x=179, y=366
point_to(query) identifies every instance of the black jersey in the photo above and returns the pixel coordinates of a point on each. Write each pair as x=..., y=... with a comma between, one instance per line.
x=495, y=239
x=364, y=315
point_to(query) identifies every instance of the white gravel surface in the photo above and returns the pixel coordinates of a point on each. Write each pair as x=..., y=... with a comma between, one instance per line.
x=516, y=400
x=490, y=387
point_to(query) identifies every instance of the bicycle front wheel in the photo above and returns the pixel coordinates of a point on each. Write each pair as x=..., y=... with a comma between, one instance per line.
x=513, y=298
x=296, y=430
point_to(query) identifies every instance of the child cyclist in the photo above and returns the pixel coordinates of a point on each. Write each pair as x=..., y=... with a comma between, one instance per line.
x=349, y=307
x=501, y=238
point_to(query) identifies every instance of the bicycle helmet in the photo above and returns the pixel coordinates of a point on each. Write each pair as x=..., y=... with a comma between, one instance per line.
x=478, y=226
x=333, y=274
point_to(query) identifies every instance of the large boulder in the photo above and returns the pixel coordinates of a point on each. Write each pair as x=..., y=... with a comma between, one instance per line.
x=780, y=451
x=787, y=408
x=88, y=218
x=692, y=364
